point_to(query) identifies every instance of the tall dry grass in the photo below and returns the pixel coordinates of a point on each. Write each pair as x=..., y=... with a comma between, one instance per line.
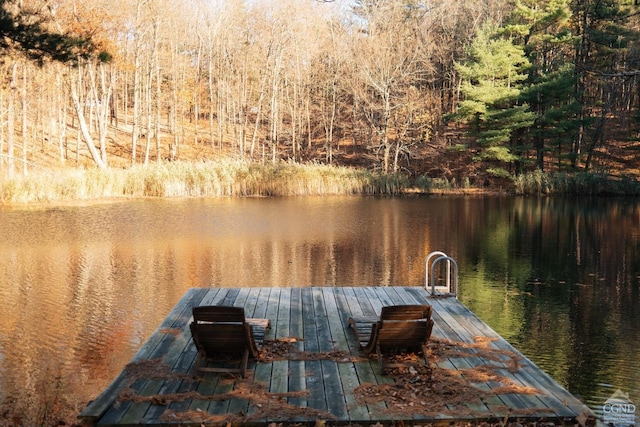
x=202, y=179
x=576, y=184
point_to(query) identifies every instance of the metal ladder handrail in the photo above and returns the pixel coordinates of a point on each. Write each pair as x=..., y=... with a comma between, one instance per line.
x=452, y=290
x=441, y=257
x=426, y=266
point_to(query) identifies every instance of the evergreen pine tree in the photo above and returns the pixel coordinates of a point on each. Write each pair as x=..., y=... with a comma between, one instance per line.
x=493, y=80
x=601, y=64
x=543, y=28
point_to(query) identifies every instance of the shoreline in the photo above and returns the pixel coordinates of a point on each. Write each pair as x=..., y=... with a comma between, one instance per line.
x=231, y=178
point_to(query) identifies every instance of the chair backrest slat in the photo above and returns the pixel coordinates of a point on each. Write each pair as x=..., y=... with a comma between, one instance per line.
x=405, y=312
x=404, y=326
x=213, y=314
x=404, y=334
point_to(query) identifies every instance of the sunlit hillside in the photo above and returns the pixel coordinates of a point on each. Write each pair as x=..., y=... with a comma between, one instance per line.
x=467, y=93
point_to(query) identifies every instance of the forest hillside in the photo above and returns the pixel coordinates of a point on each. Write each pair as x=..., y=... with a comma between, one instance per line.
x=474, y=93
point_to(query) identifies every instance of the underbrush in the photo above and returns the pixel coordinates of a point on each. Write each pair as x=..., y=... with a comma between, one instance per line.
x=576, y=184
x=428, y=184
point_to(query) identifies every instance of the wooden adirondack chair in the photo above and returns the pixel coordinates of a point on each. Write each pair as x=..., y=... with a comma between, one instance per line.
x=399, y=328
x=223, y=331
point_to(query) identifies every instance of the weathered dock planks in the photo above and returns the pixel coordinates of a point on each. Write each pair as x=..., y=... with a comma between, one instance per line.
x=319, y=373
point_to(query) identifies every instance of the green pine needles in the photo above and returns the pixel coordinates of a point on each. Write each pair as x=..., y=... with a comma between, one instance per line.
x=493, y=82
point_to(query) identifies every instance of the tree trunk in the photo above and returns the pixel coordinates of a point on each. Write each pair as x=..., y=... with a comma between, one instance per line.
x=25, y=137
x=11, y=121
x=101, y=92
x=135, y=122
x=148, y=108
x=62, y=119
x=86, y=134
x=137, y=77
x=156, y=134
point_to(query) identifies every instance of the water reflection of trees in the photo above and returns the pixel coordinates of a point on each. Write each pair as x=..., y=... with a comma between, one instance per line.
x=560, y=278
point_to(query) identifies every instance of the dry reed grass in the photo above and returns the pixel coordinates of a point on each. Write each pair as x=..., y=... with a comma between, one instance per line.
x=539, y=183
x=195, y=179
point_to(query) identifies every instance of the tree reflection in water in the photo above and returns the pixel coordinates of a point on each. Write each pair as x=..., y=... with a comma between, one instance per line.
x=83, y=287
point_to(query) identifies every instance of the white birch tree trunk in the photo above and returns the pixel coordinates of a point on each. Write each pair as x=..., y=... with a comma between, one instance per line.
x=78, y=104
x=11, y=121
x=25, y=137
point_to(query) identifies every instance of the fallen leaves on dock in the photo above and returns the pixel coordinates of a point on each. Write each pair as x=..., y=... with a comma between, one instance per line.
x=285, y=349
x=443, y=349
x=265, y=405
x=153, y=369
x=433, y=390
x=451, y=384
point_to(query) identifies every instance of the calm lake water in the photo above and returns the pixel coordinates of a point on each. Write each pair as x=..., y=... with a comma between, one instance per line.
x=82, y=288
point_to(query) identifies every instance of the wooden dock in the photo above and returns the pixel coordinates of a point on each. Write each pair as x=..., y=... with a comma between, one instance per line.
x=313, y=371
